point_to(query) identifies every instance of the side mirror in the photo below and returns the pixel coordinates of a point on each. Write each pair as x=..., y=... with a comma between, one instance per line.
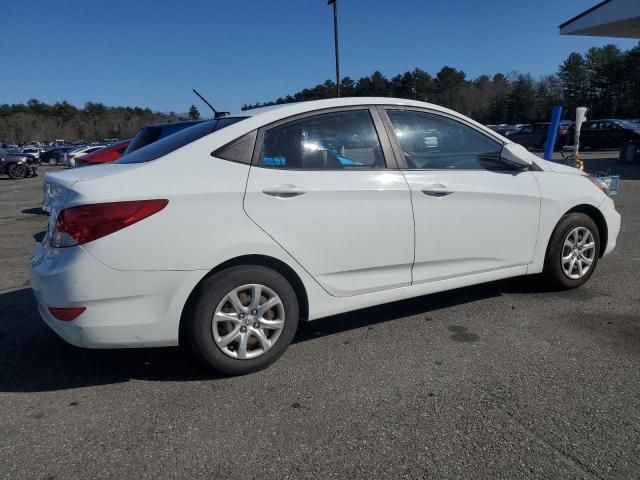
x=516, y=154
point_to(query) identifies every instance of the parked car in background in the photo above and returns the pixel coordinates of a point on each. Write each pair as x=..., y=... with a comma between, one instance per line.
x=534, y=136
x=504, y=129
x=32, y=151
x=16, y=165
x=608, y=133
x=54, y=156
x=153, y=133
x=107, y=154
x=266, y=226
x=69, y=157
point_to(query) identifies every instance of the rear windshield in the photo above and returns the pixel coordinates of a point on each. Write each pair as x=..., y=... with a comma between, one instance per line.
x=177, y=140
x=153, y=133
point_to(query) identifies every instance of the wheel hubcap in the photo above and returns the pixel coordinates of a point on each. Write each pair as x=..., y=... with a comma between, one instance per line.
x=578, y=253
x=248, y=321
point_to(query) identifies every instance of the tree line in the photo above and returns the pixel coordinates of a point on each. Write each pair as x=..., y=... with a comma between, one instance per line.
x=38, y=121
x=605, y=79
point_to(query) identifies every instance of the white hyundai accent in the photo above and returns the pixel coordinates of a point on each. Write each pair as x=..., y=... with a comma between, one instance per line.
x=225, y=240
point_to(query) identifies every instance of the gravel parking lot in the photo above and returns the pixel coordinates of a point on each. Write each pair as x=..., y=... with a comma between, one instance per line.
x=503, y=380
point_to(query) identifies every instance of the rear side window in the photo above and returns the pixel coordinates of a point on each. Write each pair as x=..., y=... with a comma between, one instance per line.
x=330, y=141
x=240, y=150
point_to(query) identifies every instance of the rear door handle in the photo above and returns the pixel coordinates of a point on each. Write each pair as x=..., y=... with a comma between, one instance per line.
x=437, y=190
x=284, y=191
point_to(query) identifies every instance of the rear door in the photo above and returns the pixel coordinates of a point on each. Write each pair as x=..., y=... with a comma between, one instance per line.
x=320, y=186
x=472, y=212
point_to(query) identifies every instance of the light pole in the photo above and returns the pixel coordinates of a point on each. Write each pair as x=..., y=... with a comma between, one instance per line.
x=335, y=40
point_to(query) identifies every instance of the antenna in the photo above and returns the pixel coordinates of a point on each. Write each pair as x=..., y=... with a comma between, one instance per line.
x=216, y=114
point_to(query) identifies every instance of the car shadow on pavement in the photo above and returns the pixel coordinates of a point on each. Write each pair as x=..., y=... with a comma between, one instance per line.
x=34, y=359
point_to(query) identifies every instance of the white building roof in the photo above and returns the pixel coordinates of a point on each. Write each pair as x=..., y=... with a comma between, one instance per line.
x=610, y=18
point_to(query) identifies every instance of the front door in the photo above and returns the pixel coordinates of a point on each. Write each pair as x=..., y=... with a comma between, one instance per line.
x=320, y=188
x=473, y=213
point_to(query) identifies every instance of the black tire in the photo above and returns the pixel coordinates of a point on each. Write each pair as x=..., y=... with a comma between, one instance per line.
x=553, y=270
x=198, y=328
x=17, y=170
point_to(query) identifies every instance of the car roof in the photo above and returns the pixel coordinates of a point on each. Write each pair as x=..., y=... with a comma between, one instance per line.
x=335, y=102
x=264, y=115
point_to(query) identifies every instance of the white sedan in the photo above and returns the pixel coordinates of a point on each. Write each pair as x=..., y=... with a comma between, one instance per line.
x=226, y=239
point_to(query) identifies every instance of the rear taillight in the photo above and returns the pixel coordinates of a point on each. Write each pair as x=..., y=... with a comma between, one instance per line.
x=85, y=223
x=66, y=314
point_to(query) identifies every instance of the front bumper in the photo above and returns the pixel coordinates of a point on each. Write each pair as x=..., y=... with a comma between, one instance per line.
x=613, y=219
x=123, y=308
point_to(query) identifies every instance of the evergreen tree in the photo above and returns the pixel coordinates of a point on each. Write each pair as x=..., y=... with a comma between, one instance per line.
x=194, y=114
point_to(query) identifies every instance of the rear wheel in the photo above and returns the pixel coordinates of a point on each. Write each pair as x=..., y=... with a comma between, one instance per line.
x=243, y=319
x=53, y=161
x=17, y=170
x=573, y=251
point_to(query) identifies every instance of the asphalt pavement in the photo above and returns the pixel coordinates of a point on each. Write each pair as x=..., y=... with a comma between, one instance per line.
x=502, y=380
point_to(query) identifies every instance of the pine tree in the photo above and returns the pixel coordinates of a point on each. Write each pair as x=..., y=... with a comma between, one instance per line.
x=194, y=114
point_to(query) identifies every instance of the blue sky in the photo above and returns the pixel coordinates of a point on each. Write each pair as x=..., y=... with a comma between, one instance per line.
x=151, y=53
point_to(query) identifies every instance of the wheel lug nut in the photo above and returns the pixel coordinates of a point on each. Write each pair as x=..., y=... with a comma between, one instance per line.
x=241, y=316
x=254, y=312
x=256, y=325
x=243, y=329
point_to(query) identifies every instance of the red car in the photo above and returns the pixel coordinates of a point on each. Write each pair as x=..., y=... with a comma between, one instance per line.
x=104, y=155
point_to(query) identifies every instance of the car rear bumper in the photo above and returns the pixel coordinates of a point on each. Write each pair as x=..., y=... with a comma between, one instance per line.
x=123, y=308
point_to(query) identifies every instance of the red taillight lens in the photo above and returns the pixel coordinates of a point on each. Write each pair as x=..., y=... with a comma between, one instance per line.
x=85, y=223
x=66, y=314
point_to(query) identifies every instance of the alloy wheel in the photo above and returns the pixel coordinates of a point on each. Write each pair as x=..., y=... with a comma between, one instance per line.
x=17, y=170
x=248, y=321
x=578, y=253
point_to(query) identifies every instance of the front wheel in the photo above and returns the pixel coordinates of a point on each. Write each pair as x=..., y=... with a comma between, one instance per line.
x=17, y=170
x=243, y=319
x=573, y=251
x=53, y=161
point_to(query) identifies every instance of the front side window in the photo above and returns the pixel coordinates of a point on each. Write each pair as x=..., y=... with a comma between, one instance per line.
x=330, y=141
x=434, y=142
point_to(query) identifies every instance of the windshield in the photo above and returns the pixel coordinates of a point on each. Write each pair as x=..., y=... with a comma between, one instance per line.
x=177, y=140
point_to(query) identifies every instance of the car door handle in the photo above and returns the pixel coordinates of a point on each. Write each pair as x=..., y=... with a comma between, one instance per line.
x=284, y=191
x=437, y=190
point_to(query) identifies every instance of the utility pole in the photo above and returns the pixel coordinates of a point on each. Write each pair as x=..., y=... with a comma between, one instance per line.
x=335, y=40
